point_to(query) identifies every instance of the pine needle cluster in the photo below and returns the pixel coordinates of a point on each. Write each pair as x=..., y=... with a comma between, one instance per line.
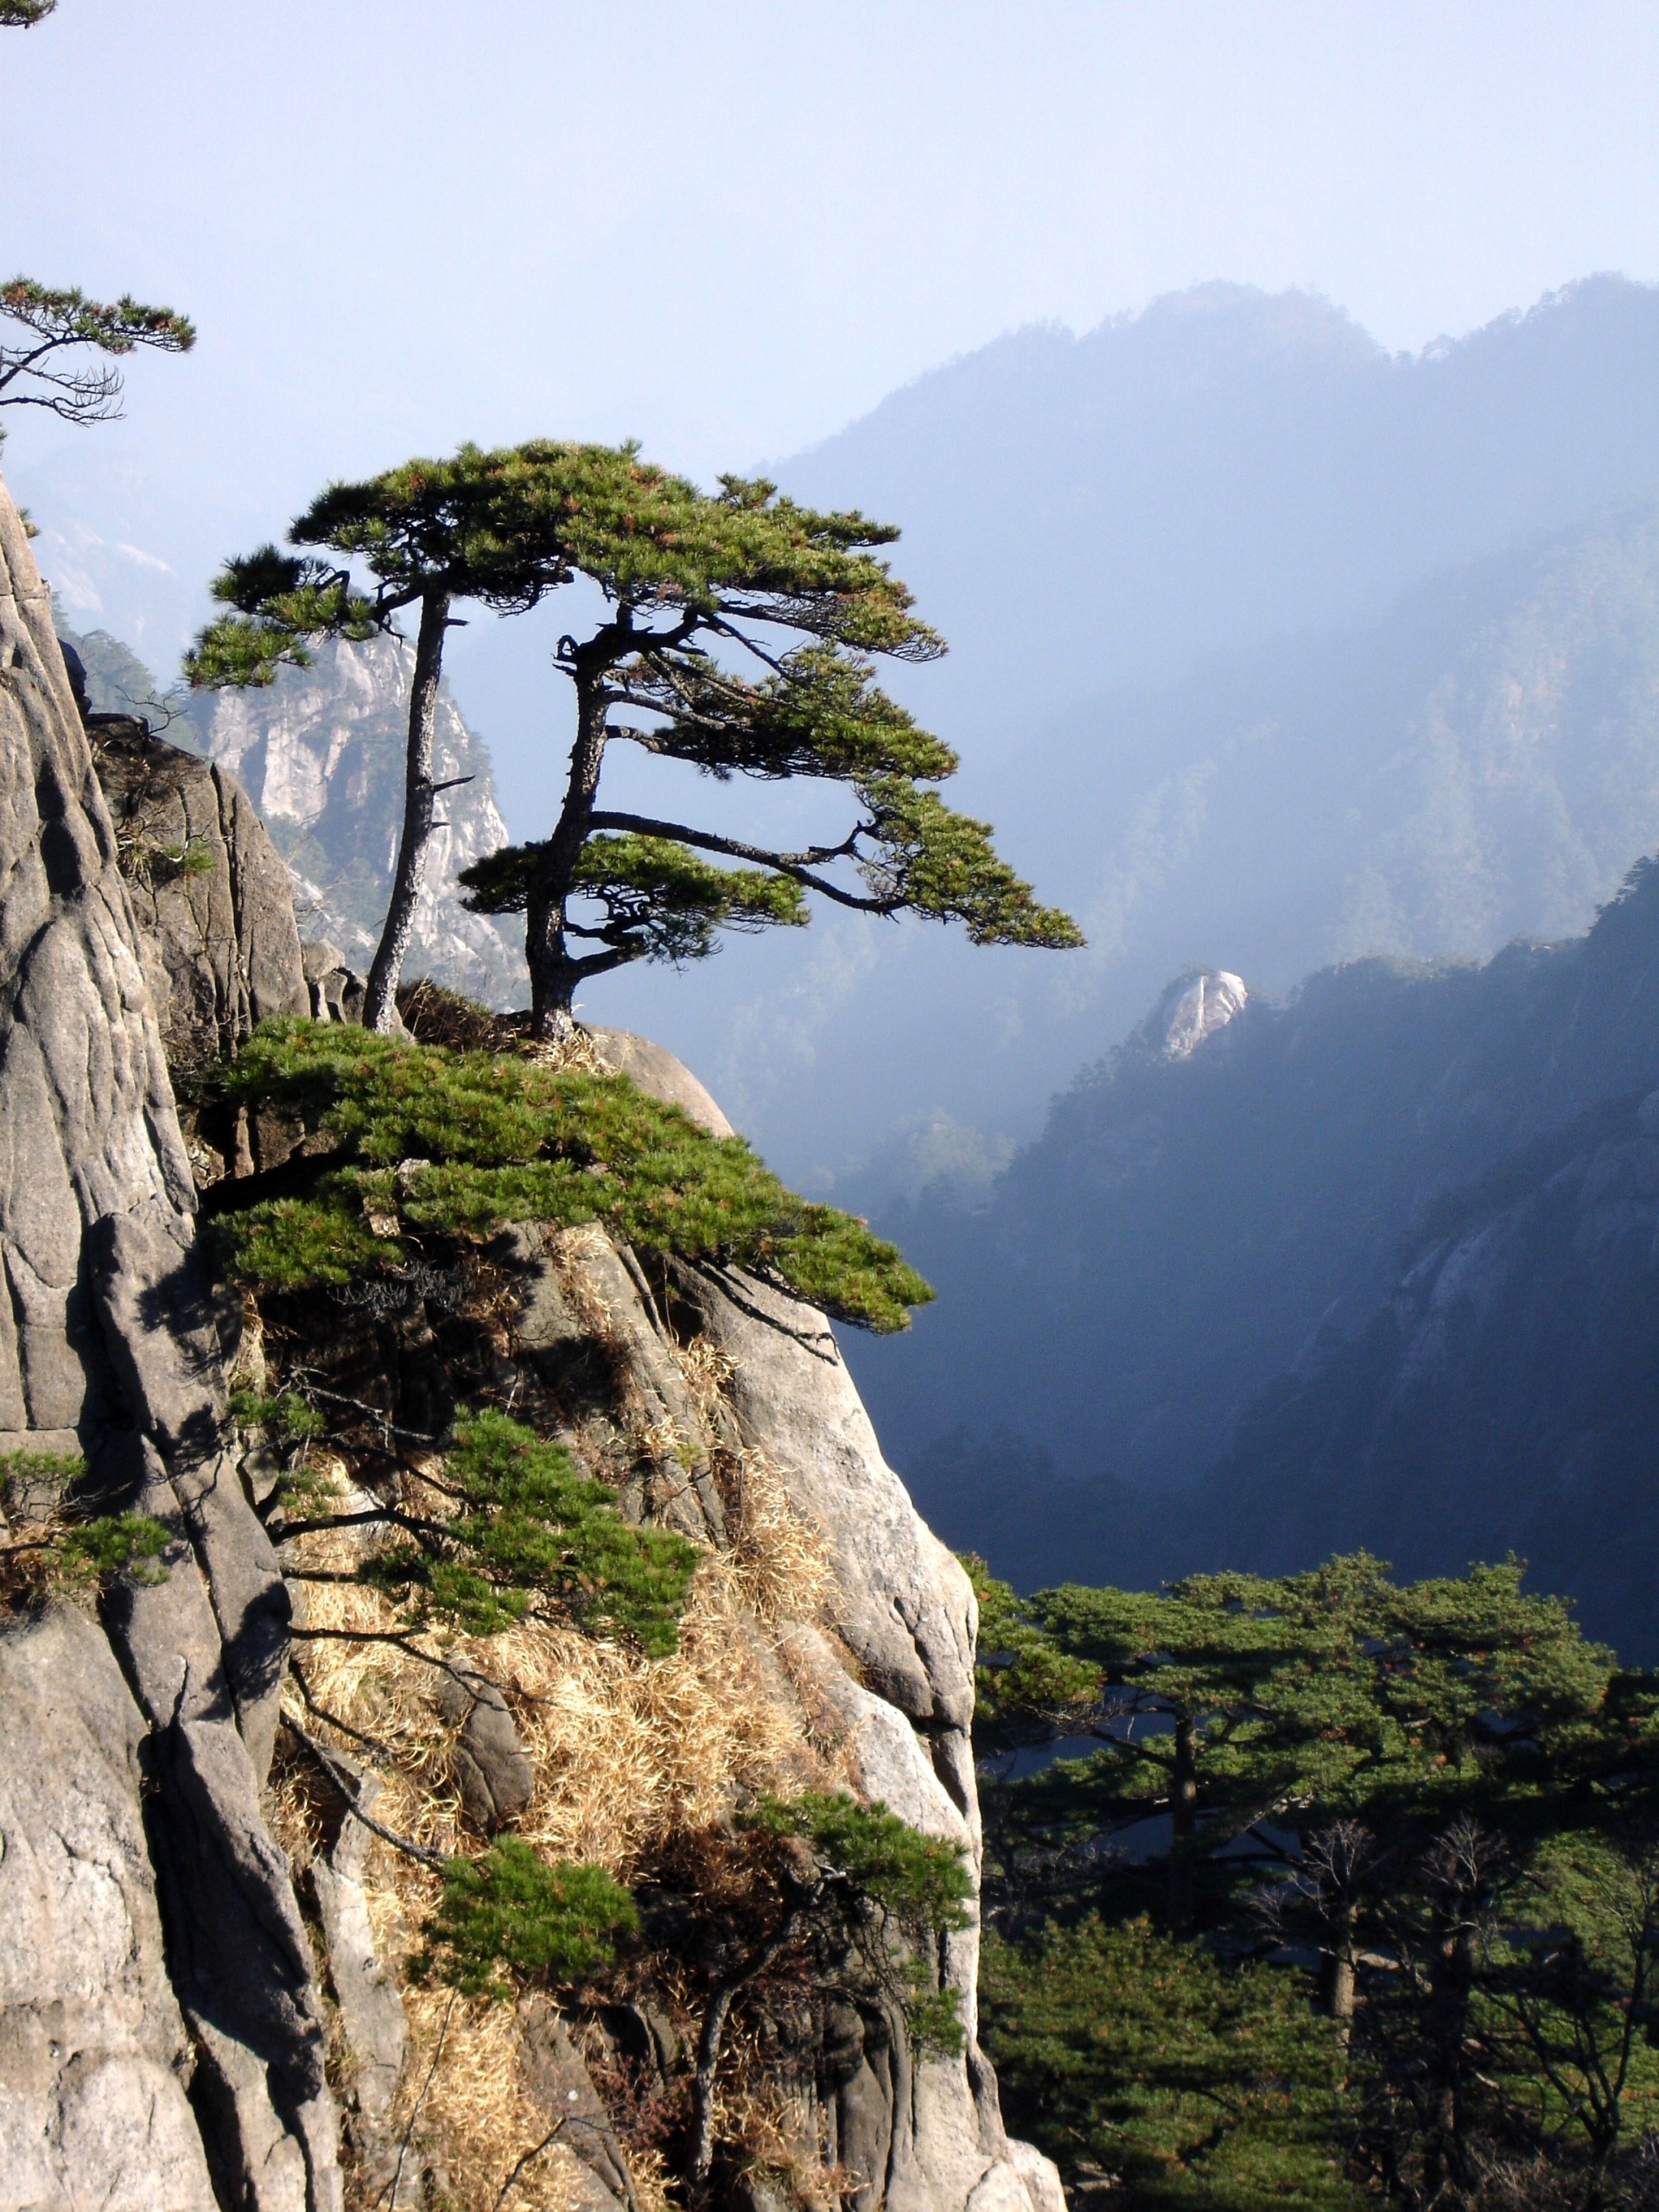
x=508, y=1912
x=55, y=1548
x=528, y=1525
x=431, y=1142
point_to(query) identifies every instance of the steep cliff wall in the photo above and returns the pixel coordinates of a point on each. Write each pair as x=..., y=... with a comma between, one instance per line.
x=164, y=2035
x=321, y=753
x=197, y=1975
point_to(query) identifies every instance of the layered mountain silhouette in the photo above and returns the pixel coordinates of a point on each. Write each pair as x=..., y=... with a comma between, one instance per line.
x=1258, y=635
x=1377, y=1268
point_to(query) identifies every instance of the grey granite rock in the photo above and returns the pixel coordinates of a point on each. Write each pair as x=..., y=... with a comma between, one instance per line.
x=925, y=2134
x=112, y=1340
x=372, y=2016
x=211, y=896
x=496, y=1779
x=94, y=2061
x=658, y=1071
x=558, y=2079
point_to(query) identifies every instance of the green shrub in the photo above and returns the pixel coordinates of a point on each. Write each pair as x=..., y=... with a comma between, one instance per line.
x=529, y=1523
x=115, y=1543
x=286, y=1417
x=21, y=1471
x=919, y=1878
x=462, y=1143
x=78, y=1554
x=555, y=1925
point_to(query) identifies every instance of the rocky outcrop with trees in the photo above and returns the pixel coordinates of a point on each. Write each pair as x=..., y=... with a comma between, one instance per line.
x=483, y=1725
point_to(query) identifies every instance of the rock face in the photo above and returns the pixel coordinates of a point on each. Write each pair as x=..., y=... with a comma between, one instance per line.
x=321, y=753
x=95, y=2062
x=1194, y=1008
x=163, y=2046
x=925, y=2134
x=1501, y=1397
x=210, y=893
x=104, y=1333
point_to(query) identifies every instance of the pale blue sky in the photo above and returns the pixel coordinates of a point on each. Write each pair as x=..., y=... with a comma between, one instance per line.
x=727, y=227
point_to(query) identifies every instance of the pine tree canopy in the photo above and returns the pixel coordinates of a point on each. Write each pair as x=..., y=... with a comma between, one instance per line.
x=456, y=529
x=1328, y=1689
x=19, y=15
x=63, y=321
x=695, y=581
x=690, y=575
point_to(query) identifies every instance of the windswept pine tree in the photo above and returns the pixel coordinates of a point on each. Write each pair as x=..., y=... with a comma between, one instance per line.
x=799, y=601
x=740, y=636
x=50, y=367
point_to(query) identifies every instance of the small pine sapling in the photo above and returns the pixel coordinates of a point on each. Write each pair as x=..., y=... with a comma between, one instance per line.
x=840, y=1896
x=59, y=1549
x=508, y=1918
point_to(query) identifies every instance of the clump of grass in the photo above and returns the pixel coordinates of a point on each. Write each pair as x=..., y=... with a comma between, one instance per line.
x=429, y=1141
x=635, y=1759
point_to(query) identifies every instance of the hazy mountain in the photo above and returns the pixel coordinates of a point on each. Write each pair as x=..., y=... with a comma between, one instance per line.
x=1081, y=513
x=1222, y=582
x=1373, y=1267
x=1255, y=632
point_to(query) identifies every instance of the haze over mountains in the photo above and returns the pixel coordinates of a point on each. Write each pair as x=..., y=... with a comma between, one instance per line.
x=1268, y=648
x=1379, y=1267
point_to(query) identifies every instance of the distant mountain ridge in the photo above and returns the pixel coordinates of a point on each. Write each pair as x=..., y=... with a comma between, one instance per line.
x=1268, y=648
x=1377, y=1267
x=1255, y=630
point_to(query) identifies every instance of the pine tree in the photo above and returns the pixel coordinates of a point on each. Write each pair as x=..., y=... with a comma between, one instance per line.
x=429, y=533
x=683, y=572
x=67, y=322
x=20, y=14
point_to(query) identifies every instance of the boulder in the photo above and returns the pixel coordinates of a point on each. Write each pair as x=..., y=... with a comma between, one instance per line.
x=658, y=1071
x=210, y=894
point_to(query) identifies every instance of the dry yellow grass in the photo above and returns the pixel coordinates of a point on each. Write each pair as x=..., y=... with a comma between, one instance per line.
x=635, y=1760
x=466, y=2074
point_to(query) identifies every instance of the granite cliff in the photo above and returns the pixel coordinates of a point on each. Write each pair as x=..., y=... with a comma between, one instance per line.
x=204, y=1919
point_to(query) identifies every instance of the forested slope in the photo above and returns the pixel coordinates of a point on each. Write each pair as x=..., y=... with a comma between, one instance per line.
x=1385, y=1249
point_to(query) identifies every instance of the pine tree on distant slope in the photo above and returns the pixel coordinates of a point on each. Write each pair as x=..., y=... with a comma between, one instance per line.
x=733, y=568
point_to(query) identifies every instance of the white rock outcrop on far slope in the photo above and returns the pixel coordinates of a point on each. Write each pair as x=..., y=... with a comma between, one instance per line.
x=1194, y=1007
x=320, y=754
